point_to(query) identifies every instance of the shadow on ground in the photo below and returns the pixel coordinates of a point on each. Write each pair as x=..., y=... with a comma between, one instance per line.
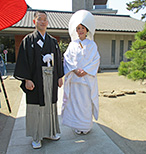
x=126, y=145
x=6, y=127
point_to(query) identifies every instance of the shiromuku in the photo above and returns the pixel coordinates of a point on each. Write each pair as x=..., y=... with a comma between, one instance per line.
x=81, y=63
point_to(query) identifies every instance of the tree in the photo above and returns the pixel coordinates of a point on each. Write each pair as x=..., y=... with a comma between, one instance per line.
x=135, y=68
x=137, y=5
x=63, y=46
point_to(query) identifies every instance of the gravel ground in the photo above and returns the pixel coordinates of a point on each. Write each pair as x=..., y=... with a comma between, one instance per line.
x=123, y=118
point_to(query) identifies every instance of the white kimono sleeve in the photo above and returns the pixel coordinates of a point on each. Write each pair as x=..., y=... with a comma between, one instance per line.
x=94, y=58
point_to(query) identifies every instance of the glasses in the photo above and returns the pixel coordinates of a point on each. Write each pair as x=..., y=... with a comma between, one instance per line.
x=42, y=20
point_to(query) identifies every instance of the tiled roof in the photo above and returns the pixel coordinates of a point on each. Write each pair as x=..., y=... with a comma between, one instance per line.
x=118, y=23
x=60, y=20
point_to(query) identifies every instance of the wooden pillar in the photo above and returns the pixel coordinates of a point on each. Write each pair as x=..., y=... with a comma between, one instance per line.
x=18, y=39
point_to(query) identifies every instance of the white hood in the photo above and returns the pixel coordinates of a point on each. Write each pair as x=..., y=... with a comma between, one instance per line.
x=82, y=17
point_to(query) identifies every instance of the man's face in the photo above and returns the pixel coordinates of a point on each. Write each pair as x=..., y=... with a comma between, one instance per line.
x=41, y=22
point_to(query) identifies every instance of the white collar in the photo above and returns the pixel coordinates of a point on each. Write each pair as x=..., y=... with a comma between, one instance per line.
x=43, y=36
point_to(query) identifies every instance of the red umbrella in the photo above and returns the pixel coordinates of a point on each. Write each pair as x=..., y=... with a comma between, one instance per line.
x=11, y=11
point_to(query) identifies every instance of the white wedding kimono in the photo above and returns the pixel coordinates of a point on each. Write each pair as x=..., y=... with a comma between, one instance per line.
x=80, y=93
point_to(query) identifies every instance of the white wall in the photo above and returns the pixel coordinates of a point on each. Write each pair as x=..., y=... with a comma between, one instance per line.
x=104, y=43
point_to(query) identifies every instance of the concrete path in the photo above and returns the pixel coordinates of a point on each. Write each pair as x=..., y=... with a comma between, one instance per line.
x=96, y=142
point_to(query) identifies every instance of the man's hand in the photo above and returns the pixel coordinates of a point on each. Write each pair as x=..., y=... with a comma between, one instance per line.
x=60, y=82
x=29, y=85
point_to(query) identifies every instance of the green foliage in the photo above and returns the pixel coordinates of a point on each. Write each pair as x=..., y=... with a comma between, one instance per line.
x=3, y=56
x=141, y=35
x=137, y=5
x=135, y=69
x=63, y=46
x=124, y=68
x=137, y=75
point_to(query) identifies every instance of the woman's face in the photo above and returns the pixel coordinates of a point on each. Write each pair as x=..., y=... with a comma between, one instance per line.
x=82, y=31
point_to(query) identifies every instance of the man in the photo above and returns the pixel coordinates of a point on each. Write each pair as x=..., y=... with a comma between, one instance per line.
x=2, y=66
x=41, y=113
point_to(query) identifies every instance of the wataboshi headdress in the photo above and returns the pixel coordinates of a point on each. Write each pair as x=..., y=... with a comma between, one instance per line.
x=85, y=18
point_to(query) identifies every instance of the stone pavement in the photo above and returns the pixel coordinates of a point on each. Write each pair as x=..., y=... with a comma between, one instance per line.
x=96, y=142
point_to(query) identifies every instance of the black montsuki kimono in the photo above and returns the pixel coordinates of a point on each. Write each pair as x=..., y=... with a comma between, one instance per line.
x=29, y=66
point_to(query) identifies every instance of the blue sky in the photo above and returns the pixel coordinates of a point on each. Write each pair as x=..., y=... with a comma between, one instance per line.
x=66, y=5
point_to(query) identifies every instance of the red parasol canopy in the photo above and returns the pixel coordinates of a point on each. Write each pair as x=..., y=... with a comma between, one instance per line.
x=11, y=11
